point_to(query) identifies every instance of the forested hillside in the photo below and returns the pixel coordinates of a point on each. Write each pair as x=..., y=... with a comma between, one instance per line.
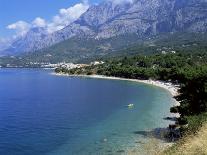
x=84, y=51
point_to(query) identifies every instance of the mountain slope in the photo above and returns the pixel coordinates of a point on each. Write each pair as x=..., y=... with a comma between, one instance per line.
x=79, y=50
x=145, y=18
x=153, y=17
x=31, y=41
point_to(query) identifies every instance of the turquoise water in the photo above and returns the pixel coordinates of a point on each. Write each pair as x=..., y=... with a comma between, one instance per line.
x=44, y=114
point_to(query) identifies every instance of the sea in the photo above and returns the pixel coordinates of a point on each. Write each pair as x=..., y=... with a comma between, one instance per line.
x=45, y=114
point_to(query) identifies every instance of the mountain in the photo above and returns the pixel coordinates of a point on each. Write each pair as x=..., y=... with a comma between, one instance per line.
x=143, y=18
x=31, y=41
x=4, y=45
x=79, y=50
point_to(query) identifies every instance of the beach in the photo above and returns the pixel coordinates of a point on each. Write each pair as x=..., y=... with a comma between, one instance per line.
x=173, y=89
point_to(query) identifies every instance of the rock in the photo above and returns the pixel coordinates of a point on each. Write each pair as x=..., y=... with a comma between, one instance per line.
x=144, y=18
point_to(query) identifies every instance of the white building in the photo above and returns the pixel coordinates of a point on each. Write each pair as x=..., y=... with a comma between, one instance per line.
x=97, y=63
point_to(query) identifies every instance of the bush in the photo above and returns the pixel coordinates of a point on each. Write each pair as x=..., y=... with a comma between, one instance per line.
x=174, y=109
x=182, y=121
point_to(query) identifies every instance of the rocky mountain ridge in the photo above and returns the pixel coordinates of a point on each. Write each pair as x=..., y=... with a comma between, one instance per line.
x=144, y=18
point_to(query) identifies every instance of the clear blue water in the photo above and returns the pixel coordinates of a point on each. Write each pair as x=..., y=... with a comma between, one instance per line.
x=44, y=114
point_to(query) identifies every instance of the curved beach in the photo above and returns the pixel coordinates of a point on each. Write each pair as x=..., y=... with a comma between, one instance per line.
x=173, y=89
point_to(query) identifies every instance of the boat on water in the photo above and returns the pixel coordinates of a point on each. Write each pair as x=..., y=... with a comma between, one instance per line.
x=130, y=105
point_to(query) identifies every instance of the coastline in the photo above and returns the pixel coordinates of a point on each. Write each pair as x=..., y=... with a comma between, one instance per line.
x=171, y=88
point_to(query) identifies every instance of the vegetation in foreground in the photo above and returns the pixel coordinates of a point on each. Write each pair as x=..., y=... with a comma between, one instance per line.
x=187, y=70
x=195, y=140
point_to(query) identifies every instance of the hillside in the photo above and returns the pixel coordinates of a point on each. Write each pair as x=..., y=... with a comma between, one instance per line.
x=85, y=51
x=143, y=18
x=192, y=145
x=195, y=141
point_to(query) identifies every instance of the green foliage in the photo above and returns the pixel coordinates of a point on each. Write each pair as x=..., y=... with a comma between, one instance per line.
x=182, y=121
x=193, y=92
x=195, y=122
x=86, y=50
x=174, y=109
x=188, y=70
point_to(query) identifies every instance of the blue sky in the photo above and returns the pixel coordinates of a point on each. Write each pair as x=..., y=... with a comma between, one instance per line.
x=44, y=11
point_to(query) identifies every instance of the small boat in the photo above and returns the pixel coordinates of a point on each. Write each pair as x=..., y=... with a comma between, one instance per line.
x=130, y=105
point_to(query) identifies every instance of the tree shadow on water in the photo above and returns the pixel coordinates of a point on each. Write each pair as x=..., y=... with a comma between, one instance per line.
x=164, y=134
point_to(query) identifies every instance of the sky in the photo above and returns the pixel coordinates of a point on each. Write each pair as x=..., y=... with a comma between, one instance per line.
x=18, y=16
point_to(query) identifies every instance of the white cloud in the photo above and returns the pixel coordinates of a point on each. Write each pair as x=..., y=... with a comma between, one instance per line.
x=67, y=16
x=39, y=22
x=58, y=22
x=20, y=27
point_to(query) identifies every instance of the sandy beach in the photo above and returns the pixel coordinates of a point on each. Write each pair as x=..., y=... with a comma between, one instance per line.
x=173, y=89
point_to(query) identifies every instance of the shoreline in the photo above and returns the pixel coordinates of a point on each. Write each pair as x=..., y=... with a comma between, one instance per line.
x=171, y=88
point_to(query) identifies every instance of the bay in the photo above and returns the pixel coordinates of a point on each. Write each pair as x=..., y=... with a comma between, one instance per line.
x=44, y=114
